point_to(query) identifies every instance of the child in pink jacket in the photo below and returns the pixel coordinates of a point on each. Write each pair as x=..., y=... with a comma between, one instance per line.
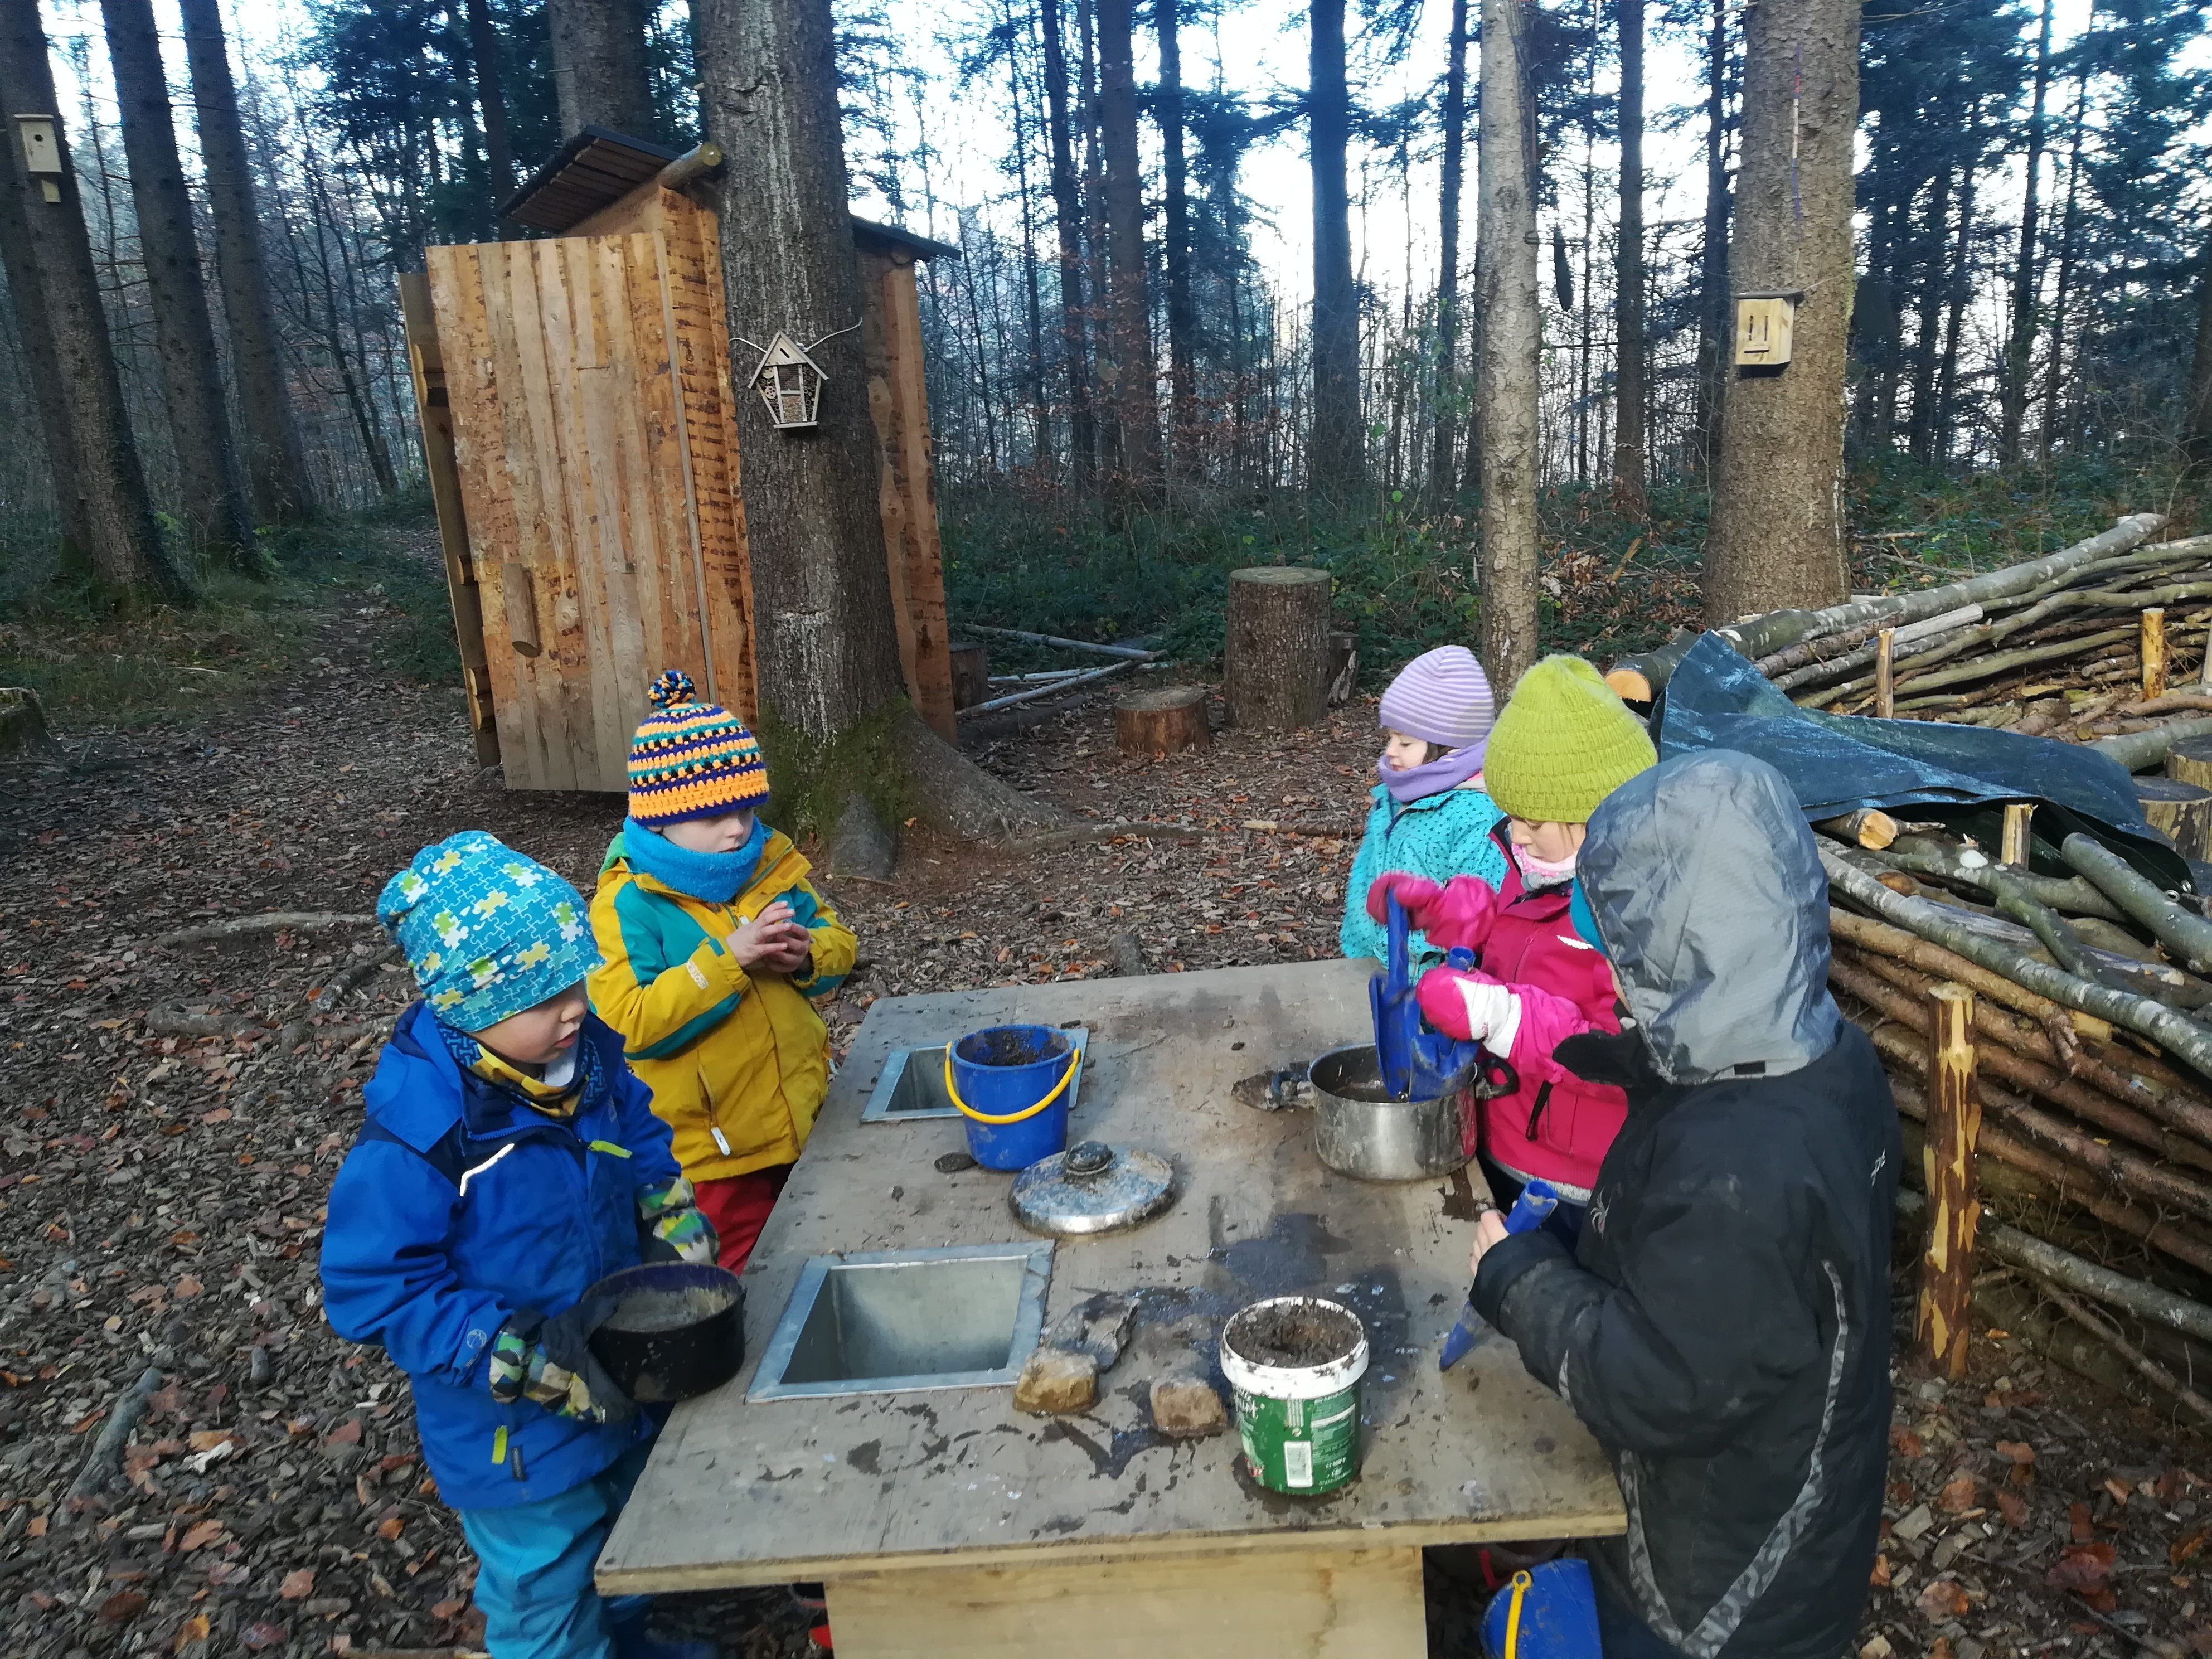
x=1564, y=744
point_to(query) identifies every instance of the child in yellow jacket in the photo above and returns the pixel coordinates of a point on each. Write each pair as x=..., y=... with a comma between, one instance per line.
x=715, y=947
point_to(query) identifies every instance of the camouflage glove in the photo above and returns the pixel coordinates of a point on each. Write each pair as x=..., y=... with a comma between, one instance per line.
x=674, y=1224
x=547, y=1361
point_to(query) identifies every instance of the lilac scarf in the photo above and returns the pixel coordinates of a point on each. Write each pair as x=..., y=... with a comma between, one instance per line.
x=1448, y=771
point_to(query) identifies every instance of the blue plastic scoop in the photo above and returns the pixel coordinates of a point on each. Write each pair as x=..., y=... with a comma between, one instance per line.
x=1417, y=1062
x=1537, y=1201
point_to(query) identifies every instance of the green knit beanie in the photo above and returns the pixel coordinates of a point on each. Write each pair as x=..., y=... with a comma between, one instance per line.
x=1563, y=745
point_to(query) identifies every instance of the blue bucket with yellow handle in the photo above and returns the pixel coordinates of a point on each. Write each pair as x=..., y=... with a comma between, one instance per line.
x=1011, y=1082
x=1548, y=1612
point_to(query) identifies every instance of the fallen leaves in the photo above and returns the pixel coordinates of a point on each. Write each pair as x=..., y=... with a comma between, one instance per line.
x=199, y=1536
x=2012, y=1506
x=2086, y=1570
x=2077, y=1517
x=2187, y=1547
x=1880, y=1578
x=1905, y=1443
x=298, y=1585
x=2018, y=1452
x=1959, y=1494
x=123, y=1606
x=1944, y=1599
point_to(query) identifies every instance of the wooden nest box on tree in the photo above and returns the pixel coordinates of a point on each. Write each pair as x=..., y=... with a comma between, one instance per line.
x=584, y=437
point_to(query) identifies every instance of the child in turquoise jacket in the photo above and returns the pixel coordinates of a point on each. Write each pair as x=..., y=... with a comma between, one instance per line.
x=1431, y=817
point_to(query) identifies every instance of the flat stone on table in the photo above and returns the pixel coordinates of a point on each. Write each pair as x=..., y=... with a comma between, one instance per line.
x=1054, y=1381
x=1186, y=1408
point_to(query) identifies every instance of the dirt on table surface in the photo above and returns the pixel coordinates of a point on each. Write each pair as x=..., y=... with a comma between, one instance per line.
x=170, y=1117
x=1292, y=1333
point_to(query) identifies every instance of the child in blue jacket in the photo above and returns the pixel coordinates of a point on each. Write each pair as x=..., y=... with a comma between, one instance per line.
x=1431, y=817
x=509, y=1160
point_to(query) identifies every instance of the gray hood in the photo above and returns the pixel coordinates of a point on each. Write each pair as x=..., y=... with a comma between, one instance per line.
x=1709, y=894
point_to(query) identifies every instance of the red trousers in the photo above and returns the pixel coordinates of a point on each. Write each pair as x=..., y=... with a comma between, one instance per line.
x=739, y=1207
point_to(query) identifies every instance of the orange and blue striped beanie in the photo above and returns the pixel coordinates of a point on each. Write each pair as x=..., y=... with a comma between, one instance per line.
x=691, y=759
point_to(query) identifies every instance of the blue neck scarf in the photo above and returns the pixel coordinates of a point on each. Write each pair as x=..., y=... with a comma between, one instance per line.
x=716, y=878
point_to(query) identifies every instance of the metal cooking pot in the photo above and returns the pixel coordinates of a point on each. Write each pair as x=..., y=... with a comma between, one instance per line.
x=677, y=1330
x=1359, y=1131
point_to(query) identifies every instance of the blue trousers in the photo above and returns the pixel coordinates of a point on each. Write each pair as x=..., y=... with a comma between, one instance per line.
x=534, y=1571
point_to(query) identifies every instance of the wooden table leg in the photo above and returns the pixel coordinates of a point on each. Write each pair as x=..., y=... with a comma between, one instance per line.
x=1248, y=1604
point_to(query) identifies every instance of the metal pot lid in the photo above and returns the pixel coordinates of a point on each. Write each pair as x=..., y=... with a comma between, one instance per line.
x=1092, y=1187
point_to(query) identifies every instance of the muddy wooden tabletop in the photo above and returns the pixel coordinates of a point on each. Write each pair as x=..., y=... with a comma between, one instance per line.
x=820, y=1486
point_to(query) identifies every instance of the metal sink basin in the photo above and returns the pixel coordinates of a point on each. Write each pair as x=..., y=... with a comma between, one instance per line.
x=966, y=1316
x=912, y=1085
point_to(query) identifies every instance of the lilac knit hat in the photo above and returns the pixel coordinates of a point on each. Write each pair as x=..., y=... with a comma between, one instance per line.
x=1442, y=697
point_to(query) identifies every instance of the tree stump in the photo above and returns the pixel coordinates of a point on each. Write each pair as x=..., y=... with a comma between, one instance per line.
x=1947, y=1166
x=971, y=673
x=1277, y=659
x=23, y=732
x=1162, y=722
x=2183, y=810
x=2190, y=761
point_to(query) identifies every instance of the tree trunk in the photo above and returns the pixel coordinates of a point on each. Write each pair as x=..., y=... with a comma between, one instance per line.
x=103, y=488
x=1041, y=447
x=825, y=638
x=1275, y=661
x=1934, y=243
x=1106, y=407
x=276, y=466
x=2020, y=343
x=600, y=70
x=27, y=294
x=1628, y=438
x=1959, y=285
x=2200, y=370
x=1136, y=395
x=1334, y=448
x=1506, y=365
x=1067, y=214
x=1716, y=326
x=1182, y=315
x=491, y=105
x=2055, y=375
x=1443, y=476
x=1777, y=531
x=218, y=523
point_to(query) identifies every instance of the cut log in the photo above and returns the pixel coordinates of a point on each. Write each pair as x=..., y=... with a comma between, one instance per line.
x=2183, y=810
x=2190, y=761
x=1931, y=855
x=2185, y=934
x=1162, y=722
x=1276, y=664
x=2019, y=820
x=1947, y=1165
x=971, y=673
x=2181, y=1037
x=1897, y=945
x=2154, y=653
x=2139, y=751
x=1869, y=827
x=1885, y=675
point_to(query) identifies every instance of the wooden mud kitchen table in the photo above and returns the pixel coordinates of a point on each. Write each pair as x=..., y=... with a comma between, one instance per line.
x=943, y=1522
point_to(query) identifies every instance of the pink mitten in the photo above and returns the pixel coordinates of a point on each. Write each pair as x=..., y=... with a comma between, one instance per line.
x=1457, y=913
x=1416, y=893
x=1470, y=1007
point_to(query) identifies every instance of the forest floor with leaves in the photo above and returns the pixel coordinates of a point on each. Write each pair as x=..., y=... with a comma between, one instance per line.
x=173, y=1113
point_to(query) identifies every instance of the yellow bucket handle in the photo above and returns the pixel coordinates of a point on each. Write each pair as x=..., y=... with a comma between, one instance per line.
x=1073, y=1061
x=1521, y=1584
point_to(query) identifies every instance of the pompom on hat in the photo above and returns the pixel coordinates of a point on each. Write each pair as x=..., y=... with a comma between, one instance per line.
x=691, y=759
x=1564, y=744
x=488, y=931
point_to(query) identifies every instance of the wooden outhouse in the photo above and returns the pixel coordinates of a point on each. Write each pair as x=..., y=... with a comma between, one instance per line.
x=583, y=437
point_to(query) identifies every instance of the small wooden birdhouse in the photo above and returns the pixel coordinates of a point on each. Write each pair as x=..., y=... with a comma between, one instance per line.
x=1763, y=323
x=789, y=382
x=42, y=153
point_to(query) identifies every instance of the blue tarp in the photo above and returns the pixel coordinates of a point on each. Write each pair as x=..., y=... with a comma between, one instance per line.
x=1836, y=763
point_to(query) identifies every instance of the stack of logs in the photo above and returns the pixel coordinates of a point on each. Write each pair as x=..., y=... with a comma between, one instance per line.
x=2048, y=1037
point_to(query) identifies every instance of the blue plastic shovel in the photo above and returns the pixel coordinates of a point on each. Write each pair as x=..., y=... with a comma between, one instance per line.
x=1537, y=1200
x=1417, y=1063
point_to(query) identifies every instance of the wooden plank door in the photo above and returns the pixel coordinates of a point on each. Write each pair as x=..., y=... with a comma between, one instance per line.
x=574, y=458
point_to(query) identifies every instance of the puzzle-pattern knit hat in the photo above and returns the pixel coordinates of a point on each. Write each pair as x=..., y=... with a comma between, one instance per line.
x=488, y=931
x=691, y=759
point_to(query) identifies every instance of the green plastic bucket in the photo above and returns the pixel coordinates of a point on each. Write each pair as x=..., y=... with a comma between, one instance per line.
x=1295, y=1363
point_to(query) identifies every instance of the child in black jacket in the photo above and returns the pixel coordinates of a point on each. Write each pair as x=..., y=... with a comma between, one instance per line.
x=1723, y=1327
